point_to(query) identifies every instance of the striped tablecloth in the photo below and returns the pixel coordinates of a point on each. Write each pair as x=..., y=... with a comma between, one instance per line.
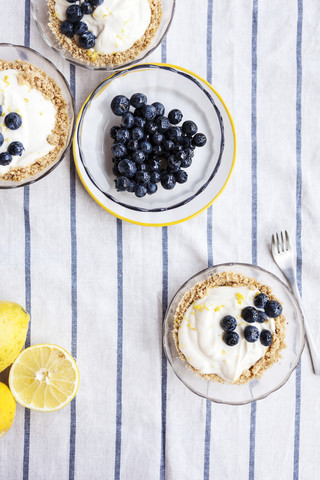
x=99, y=287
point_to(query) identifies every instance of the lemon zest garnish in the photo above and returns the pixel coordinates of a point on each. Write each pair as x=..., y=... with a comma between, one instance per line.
x=218, y=308
x=26, y=100
x=200, y=307
x=239, y=297
x=223, y=352
x=6, y=80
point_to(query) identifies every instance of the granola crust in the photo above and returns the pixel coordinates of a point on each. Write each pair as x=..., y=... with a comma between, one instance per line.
x=38, y=79
x=99, y=59
x=199, y=290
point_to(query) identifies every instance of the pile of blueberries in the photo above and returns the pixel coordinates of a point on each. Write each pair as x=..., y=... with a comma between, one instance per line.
x=74, y=26
x=150, y=147
x=272, y=309
x=13, y=121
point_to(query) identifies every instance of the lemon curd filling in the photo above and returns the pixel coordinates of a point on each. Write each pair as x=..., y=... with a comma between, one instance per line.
x=201, y=336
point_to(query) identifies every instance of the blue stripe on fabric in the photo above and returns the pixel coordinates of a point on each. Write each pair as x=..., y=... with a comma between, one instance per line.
x=164, y=361
x=254, y=201
x=26, y=207
x=74, y=278
x=117, y=467
x=164, y=308
x=296, y=454
x=207, y=437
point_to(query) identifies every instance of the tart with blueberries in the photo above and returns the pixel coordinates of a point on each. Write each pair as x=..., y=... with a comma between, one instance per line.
x=229, y=328
x=34, y=123
x=104, y=32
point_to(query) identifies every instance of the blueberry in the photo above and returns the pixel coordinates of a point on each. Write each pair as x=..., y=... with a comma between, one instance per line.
x=151, y=188
x=148, y=112
x=155, y=177
x=127, y=120
x=143, y=167
x=266, y=338
x=1, y=139
x=186, y=163
x=67, y=28
x=185, y=141
x=123, y=135
x=262, y=317
x=122, y=183
x=173, y=164
x=167, y=145
x=177, y=148
x=5, y=158
x=138, y=156
x=273, y=309
x=228, y=323
x=74, y=14
x=139, y=122
x=72, y=1
x=159, y=108
x=260, y=300
x=156, y=138
x=127, y=168
x=168, y=181
x=96, y=3
x=118, y=150
x=157, y=150
x=80, y=28
x=15, y=149
x=181, y=155
x=140, y=191
x=142, y=177
x=145, y=147
x=231, y=338
x=87, y=40
x=151, y=127
x=174, y=134
x=120, y=105
x=0, y=110
x=251, y=334
x=132, y=145
x=249, y=314
x=189, y=128
x=189, y=152
x=199, y=140
x=115, y=170
x=132, y=185
x=113, y=132
x=181, y=176
x=154, y=165
x=137, y=133
x=138, y=100
x=175, y=116
x=13, y=121
x=86, y=8
x=163, y=124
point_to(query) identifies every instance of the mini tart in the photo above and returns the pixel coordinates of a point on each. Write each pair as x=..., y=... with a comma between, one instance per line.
x=199, y=291
x=39, y=80
x=99, y=59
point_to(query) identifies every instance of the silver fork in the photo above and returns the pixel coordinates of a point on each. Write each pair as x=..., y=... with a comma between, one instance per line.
x=284, y=256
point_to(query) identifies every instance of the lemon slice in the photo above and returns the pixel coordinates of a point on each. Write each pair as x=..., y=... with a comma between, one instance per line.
x=44, y=377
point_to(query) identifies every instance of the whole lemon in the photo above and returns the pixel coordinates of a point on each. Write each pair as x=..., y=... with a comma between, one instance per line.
x=14, y=321
x=7, y=409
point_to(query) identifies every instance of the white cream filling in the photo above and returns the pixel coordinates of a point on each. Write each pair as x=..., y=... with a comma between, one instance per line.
x=201, y=336
x=38, y=119
x=117, y=24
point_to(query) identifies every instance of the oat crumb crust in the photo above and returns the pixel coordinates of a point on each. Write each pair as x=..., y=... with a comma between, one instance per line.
x=103, y=60
x=199, y=290
x=39, y=80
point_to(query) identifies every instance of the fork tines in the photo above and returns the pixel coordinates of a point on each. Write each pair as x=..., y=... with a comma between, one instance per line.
x=281, y=241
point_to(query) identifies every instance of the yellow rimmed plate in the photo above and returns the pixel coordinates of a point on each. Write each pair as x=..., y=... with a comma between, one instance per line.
x=212, y=166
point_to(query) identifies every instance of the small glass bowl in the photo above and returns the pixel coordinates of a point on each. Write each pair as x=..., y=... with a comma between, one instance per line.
x=273, y=378
x=11, y=52
x=40, y=13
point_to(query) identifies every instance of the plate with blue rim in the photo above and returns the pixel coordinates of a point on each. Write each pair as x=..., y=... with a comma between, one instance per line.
x=212, y=164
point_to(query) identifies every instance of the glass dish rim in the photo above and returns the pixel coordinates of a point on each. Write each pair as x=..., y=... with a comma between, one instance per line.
x=30, y=182
x=228, y=265
x=187, y=74
x=99, y=68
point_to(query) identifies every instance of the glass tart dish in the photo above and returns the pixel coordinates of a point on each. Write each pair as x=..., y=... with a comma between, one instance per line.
x=103, y=34
x=233, y=333
x=37, y=116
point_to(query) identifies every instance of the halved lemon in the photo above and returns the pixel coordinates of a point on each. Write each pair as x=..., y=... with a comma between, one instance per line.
x=44, y=377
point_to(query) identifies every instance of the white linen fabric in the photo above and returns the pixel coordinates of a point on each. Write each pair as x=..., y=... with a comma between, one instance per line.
x=98, y=286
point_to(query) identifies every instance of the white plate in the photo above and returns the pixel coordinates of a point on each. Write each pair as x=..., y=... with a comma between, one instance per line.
x=175, y=87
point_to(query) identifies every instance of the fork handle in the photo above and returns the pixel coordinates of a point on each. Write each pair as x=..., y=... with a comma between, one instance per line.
x=314, y=353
